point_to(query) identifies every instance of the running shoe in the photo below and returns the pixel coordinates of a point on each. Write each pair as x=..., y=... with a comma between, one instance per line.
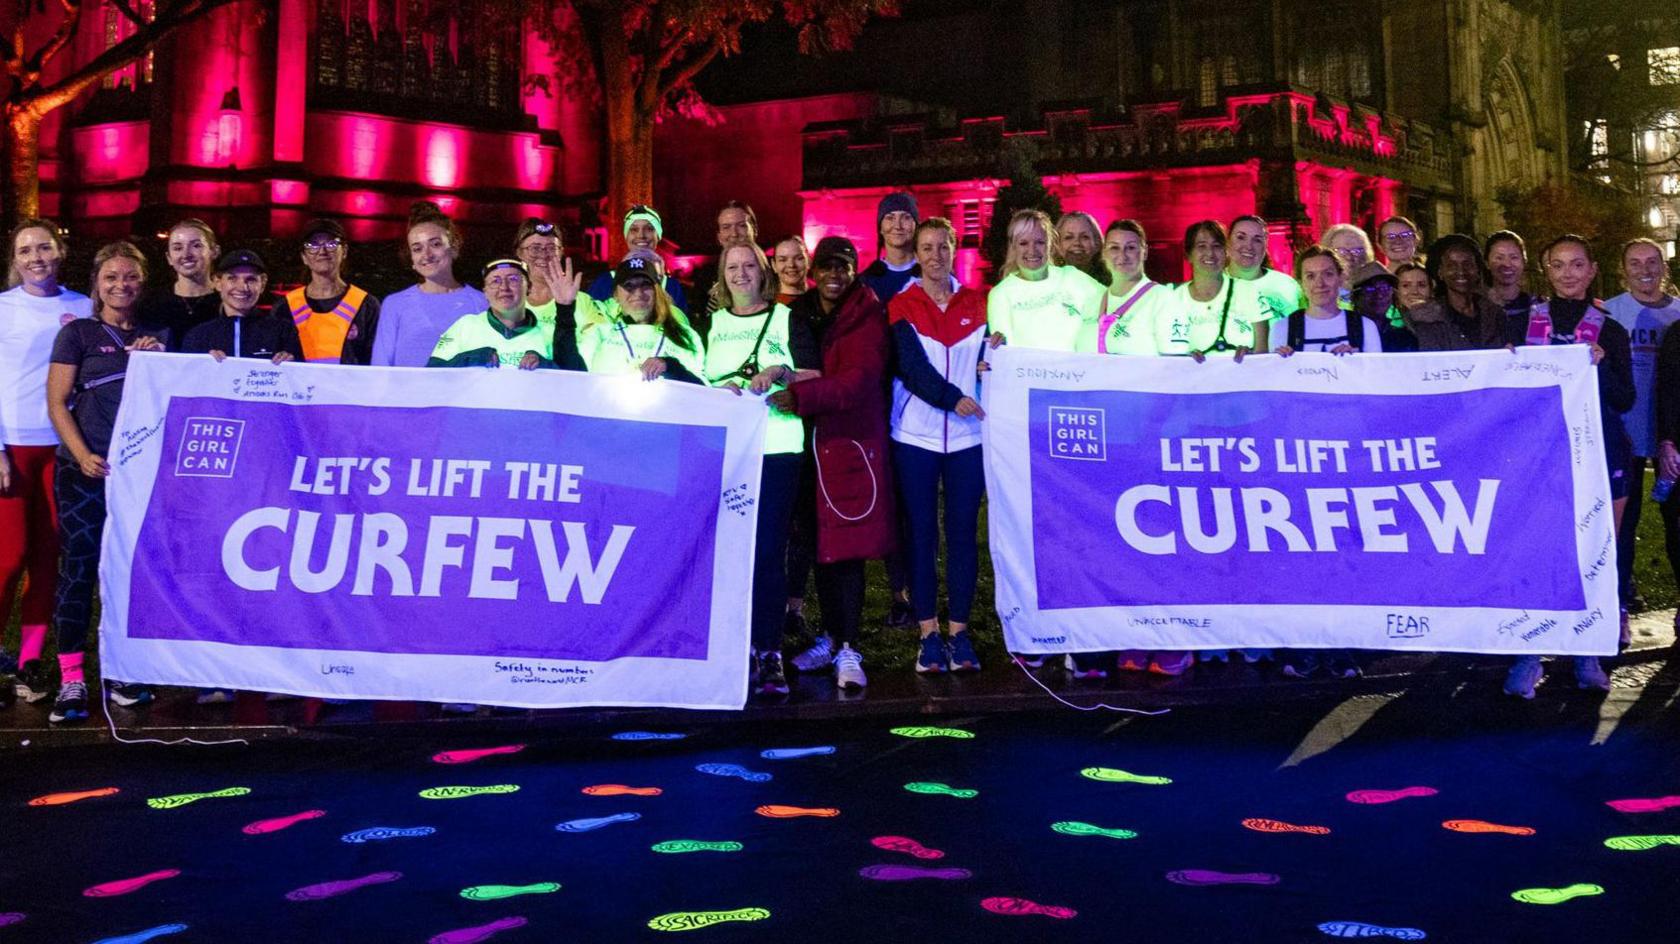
x=71, y=704
x=1089, y=665
x=772, y=678
x=848, y=669
x=1031, y=660
x=1301, y=665
x=818, y=658
x=963, y=658
x=34, y=682
x=1524, y=675
x=1589, y=674
x=1171, y=663
x=899, y=614
x=1133, y=660
x=1341, y=665
x=934, y=657
x=214, y=696
x=128, y=694
x=1255, y=656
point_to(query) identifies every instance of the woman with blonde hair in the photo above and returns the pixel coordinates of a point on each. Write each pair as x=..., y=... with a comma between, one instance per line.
x=1037, y=303
x=190, y=247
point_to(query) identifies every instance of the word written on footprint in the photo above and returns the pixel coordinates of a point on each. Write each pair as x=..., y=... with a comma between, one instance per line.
x=1389, y=796
x=498, y=892
x=942, y=789
x=468, y=756
x=906, y=845
x=789, y=753
x=1076, y=828
x=264, y=826
x=619, y=789
x=474, y=935
x=141, y=937
x=343, y=887
x=1111, y=775
x=1556, y=896
x=910, y=873
x=1279, y=826
x=777, y=811
x=127, y=885
x=1361, y=929
x=1640, y=843
x=59, y=799
x=1641, y=805
x=928, y=732
x=1483, y=826
x=695, y=845
x=1197, y=877
x=1021, y=907
x=182, y=799
x=647, y=736
x=733, y=770
x=695, y=920
x=381, y=833
x=595, y=822
x=456, y=793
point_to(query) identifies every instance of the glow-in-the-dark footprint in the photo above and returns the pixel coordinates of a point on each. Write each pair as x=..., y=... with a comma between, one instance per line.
x=343, y=887
x=777, y=811
x=59, y=799
x=263, y=826
x=1279, y=826
x=595, y=822
x=1483, y=826
x=908, y=873
x=695, y=920
x=695, y=845
x=11, y=917
x=1076, y=828
x=1641, y=805
x=942, y=789
x=923, y=731
x=456, y=793
x=1640, y=843
x=497, y=892
x=1556, y=896
x=126, y=885
x=1361, y=929
x=906, y=845
x=619, y=789
x=732, y=770
x=1024, y=907
x=1210, y=877
x=482, y=932
x=377, y=833
x=468, y=756
x=141, y=937
x=182, y=799
x=1389, y=796
x=789, y=753
x=1110, y=775
x=647, y=736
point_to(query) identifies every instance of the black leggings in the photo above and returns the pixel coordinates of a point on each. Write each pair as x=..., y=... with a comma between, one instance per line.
x=81, y=524
x=840, y=594
x=777, y=488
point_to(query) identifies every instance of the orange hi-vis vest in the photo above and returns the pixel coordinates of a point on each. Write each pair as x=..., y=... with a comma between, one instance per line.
x=323, y=333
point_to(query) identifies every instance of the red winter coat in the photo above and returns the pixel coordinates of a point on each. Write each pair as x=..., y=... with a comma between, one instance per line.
x=847, y=407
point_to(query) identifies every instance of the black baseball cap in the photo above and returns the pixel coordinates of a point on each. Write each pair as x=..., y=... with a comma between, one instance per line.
x=634, y=268
x=234, y=258
x=328, y=227
x=834, y=247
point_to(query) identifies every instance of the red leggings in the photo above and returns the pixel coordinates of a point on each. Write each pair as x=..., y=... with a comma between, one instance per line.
x=29, y=534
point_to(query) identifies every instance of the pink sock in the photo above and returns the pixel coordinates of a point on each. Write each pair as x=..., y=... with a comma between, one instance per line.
x=33, y=638
x=70, y=668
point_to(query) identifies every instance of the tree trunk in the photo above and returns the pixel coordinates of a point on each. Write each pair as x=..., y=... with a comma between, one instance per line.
x=21, y=149
x=628, y=123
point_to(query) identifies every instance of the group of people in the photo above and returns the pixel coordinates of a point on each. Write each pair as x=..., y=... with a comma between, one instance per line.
x=870, y=376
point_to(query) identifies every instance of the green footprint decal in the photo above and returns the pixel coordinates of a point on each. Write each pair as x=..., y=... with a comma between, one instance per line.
x=942, y=788
x=1074, y=828
x=694, y=920
x=926, y=732
x=695, y=845
x=455, y=793
x=1110, y=775
x=494, y=892
x=182, y=799
x=1555, y=896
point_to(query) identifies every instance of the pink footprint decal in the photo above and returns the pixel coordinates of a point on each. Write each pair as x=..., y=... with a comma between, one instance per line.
x=1021, y=906
x=262, y=826
x=11, y=917
x=1209, y=877
x=127, y=885
x=467, y=757
x=906, y=845
x=1389, y=796
x=1652, y=805
x=334, y=889
x=481, y=933
x=905, y=873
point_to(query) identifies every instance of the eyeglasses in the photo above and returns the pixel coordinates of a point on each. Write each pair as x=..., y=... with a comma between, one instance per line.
x=509, y=281
x=1402, y=236
x=322, y=247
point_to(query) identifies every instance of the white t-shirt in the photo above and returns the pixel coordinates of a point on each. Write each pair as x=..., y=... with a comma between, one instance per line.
x=1645, y=327
x=1322, y=334
x=28, y=326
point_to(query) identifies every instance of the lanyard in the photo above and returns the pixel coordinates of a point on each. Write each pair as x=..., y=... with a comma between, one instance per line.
x=631, y=349
x=236, y=335
x=1220, y=344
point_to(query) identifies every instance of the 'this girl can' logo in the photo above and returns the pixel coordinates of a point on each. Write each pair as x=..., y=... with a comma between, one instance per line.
x=209, y=447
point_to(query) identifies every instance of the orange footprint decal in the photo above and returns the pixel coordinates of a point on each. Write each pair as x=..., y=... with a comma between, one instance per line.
x=1279, y=826
x=775, y=811
x=59, y=799
x=619, y=789
x=1482, y=826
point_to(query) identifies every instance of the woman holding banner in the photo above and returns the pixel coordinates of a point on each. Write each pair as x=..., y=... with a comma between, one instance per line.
x=190, y=247
x=84, y=387
x=1573, y=316
x=506, y=334
x=412, y=320
x=1212, y=313
x=637, y=330
x=1133, y=303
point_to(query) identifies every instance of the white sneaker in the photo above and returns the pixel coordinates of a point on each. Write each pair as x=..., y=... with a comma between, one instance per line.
x=1589, y=674
x=817, y=658
x=848, y=668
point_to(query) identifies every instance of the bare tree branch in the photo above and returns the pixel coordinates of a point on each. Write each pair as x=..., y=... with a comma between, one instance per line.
x=687, y=72
x=128, y=12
